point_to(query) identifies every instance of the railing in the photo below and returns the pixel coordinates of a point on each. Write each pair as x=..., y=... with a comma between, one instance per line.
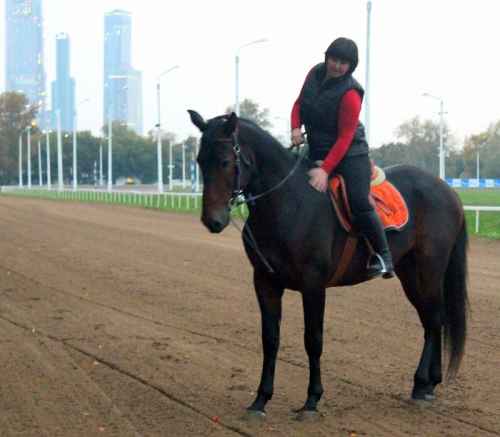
x=478, y=209
x=184, y=201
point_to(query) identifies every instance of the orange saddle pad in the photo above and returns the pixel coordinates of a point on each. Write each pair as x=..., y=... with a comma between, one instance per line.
x=387, y=200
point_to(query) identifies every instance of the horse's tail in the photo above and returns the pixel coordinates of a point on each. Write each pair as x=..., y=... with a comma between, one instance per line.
x=456, y=302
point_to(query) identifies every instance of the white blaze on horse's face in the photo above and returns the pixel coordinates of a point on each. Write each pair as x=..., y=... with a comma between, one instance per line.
x=217, y=163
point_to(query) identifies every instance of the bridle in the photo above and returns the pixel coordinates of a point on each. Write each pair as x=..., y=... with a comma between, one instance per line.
x=238, y=196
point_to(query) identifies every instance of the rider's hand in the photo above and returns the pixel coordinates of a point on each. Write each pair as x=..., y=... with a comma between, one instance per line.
x=318, y=178
x=297, y=137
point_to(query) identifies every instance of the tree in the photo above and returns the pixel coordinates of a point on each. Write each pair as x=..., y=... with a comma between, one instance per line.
x=487, y=143
x=15, y=115
x=252, y=111
x=418, y=145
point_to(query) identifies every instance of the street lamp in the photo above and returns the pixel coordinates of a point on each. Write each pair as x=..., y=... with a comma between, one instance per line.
x=49, y=176
x=110, y=150
x=75, y=161
x=60, y=185
x=20, y=160
x=28, y=156
x=111, y=112
x=159, y=145
x=237, y=72
x=40, y=179
x=441, y=129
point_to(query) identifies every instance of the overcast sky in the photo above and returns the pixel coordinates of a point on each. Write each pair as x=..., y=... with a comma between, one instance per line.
x=444, y=47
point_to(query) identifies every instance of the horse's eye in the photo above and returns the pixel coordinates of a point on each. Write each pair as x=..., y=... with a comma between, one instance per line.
x=225, y=163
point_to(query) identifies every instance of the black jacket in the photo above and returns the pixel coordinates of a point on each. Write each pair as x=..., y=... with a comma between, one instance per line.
x=319, y=110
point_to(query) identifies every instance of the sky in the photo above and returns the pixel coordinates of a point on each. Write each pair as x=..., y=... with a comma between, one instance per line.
x=444, y=47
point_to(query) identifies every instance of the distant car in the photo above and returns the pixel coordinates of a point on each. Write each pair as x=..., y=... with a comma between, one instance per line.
x=130, y=181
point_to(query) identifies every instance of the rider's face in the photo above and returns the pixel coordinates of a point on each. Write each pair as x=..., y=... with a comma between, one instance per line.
x=336, y=67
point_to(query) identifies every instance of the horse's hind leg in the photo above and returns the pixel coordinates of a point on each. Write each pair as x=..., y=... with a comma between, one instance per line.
x=425, y=293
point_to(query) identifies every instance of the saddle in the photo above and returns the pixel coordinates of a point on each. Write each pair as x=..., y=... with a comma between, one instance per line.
x=385, y=198
x=388, y=203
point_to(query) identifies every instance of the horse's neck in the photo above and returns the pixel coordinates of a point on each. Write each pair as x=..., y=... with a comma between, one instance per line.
x=273, y=165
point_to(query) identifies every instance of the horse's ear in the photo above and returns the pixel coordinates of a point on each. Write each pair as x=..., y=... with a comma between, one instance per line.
x=197, y=120
x=231, y=124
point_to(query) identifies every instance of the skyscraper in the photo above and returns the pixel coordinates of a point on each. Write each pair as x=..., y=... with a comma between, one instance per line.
x=122, y=83
x=63, y=88
x=24, y=51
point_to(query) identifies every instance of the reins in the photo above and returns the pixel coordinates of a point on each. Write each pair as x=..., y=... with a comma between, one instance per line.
x=238, y=197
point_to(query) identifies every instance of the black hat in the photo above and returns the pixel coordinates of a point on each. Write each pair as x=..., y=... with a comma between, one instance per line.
x=345, y=49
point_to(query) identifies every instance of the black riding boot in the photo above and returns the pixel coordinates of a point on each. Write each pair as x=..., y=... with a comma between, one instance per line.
x=380, y=263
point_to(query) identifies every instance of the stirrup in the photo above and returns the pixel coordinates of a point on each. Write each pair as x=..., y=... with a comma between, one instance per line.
x=379, y=267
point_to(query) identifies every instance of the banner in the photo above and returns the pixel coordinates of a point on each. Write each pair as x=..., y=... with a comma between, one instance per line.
x=473, y=183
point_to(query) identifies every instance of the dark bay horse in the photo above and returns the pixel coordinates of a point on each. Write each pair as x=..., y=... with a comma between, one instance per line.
x=297, y=241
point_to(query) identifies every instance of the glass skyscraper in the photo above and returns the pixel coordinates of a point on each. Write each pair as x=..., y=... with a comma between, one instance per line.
x=24, y=62
x=63, y=88
x=122, y=83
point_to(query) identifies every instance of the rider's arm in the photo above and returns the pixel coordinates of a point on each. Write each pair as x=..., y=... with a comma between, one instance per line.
x=350, y=107
x=295, y=121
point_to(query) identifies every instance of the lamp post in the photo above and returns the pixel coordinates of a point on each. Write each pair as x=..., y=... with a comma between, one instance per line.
x=237, y=72
x=170, y=167
x=40, y=181
x=110, y=150
x=159, y=144
x=441, y=131
x=49, y=176
x=60, y=185
x=197, y=170
x=20, y=160
x=101, y=180
x=477, y=166
x=75, y=157
x=183, y=145
x=28, y=156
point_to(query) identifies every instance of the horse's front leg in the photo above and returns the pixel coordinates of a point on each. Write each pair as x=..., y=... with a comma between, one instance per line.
x=314, y=311
x=269, y=296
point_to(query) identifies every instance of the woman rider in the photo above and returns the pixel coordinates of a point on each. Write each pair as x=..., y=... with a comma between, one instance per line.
x=328, y=106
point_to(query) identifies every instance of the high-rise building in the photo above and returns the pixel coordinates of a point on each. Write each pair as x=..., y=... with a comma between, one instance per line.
x=63, y=88
x=24, y=62
x=122, y=83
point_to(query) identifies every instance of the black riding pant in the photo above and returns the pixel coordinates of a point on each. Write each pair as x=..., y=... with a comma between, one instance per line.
x=356, y=171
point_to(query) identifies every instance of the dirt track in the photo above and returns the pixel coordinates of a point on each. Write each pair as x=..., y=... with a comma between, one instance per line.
x=122, y=322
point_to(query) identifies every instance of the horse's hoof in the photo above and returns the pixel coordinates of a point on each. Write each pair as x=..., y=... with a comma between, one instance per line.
x=423, y=400
x=423, y=396
x=254, y=415
x=308, y=416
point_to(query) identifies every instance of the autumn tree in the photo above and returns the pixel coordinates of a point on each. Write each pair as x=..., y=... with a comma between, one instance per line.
x=253, y=112
x=16, y=114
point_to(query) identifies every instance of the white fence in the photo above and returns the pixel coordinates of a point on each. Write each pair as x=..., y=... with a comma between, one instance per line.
x=481, y=208
x=184, y=201
x=153, y=199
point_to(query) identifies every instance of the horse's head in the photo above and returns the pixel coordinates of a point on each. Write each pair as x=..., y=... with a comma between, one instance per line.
x=221, y=162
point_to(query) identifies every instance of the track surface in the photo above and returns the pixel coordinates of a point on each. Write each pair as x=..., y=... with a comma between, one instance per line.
x=122, y=322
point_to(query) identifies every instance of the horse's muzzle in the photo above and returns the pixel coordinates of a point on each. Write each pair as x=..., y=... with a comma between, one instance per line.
x=216, y=223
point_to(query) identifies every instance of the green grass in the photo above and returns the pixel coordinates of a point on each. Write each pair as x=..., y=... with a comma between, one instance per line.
x=489, y=222
x=164, y=202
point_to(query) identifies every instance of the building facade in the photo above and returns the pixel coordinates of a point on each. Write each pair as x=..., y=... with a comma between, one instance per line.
x=24, y=61
x=122, y=83
x=63, y=88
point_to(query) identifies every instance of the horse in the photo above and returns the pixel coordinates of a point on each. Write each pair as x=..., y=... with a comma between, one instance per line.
x=294, y=240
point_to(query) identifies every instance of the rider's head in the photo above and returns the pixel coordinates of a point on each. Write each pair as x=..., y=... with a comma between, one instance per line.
x=341, y=57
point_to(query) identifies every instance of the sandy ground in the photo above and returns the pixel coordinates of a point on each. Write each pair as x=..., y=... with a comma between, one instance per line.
x=118, y=321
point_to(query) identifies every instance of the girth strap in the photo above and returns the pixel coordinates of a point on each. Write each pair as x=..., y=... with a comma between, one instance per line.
x=345, y=259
